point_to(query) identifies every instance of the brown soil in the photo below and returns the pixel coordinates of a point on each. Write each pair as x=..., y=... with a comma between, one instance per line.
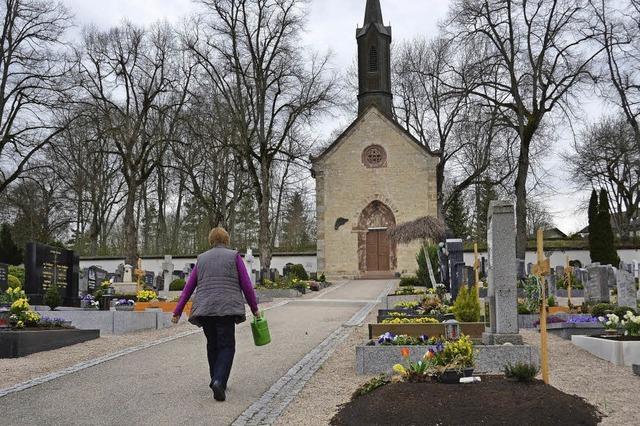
x=495, y=401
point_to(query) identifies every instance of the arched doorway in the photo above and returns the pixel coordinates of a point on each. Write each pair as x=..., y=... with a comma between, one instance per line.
x=376, y=253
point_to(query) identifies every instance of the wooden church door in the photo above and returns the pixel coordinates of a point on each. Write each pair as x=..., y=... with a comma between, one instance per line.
x=378, y=250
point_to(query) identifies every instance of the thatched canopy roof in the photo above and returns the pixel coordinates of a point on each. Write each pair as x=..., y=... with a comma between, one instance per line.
x=423, y=228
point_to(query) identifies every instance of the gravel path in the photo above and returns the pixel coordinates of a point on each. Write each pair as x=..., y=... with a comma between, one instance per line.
x=612, y=389
x=18, y=370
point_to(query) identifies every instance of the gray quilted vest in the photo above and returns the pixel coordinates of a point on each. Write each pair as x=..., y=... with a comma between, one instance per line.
x=218, y=291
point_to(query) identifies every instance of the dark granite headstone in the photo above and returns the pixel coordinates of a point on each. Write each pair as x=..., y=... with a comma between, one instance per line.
x=149, y=279
x=4, y=277
x=95, y=277
x=455, y=257
x=521, y=269
x=46, y=265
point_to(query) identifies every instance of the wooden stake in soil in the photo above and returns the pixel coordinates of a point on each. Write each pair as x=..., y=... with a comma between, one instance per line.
x=540, y=269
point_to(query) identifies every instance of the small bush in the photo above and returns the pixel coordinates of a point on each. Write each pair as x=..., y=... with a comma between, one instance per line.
x=467, y=306
x=323, y=278
x=298, y=271
x=177, y=284
x=13, y=282
x=601, y=309
x=551, y=301
x=523, y=309
x=410, y=281
x=18, y=272
x=423, y=271
x=52, y=297
x=521, y=371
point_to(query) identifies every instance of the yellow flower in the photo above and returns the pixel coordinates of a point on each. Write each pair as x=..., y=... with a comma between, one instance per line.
x=398, y=368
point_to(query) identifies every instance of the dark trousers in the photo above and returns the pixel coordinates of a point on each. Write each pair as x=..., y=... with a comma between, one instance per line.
x=221, y=346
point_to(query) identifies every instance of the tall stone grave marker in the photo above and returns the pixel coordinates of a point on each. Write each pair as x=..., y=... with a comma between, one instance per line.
x=626, y=286
x=167, y=272
x=521, y=267
x=502, y=294
x=596, y=288
x=553, y=289
x=46, y=266
x=456, y=258
x=4, y=277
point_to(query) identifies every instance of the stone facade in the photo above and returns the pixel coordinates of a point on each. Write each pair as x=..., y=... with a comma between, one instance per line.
x=404, y=186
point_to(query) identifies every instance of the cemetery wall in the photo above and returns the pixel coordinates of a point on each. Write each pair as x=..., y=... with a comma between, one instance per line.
x=558, y=257
x=154, y=263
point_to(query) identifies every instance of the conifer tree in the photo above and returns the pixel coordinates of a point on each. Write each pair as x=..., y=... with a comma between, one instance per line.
x=456, y=216
x=295, y=227
x=9, y=252
x=594, y=229
x=608, y=254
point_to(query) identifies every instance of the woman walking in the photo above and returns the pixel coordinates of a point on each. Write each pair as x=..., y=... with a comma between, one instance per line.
x=221, y=280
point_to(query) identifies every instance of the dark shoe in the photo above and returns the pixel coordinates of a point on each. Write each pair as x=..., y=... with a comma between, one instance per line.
x=218, y=391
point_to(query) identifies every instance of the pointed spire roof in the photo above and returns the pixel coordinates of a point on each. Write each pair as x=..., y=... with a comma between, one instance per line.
x=373, y=13
x=373, y=18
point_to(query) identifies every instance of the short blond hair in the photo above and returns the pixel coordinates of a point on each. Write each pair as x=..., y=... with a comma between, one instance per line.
x=218, y=236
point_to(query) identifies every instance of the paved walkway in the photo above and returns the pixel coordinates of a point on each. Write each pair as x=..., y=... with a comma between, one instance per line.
x=167, y=383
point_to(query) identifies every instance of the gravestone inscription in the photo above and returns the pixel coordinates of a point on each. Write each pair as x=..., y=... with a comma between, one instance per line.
x=46, y=266
x=4, y=276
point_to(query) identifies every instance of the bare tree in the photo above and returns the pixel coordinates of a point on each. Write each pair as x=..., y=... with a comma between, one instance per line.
x=534, y=57
x=31, y=69
x=251, y=53
x=608, y=156
x=133, y=80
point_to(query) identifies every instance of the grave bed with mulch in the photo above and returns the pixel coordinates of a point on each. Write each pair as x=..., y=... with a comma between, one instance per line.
x=495, y=401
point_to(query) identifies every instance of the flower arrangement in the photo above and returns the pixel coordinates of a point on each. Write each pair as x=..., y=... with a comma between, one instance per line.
x=409, y=290
x=440, y=290
x=54, y=323
x=125, y=302
x=146, y=295
x=610, y=321
x=105, y=284
x=631, y=324
x=451, y=355
x=390, y=339
x=91, y=301
x=421, y=320
x=19, y=306
x=406, y=305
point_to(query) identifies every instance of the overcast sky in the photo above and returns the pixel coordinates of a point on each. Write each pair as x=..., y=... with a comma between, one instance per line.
x=331, y=27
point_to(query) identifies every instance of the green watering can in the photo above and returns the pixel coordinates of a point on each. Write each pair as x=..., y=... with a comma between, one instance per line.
x=260, y=330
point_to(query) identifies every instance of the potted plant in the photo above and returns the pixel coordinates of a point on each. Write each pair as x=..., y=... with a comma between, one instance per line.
x=124, y=305
x=106, y=287
x=452, y=360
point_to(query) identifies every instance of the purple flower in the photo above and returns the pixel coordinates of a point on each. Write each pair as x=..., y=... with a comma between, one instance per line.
x=424, y=338
x=439, y=347
x=386, y=338
x=582, y=320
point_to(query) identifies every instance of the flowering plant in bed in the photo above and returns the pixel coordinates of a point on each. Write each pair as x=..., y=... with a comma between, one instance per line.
x=631, y=324
x=146, y=295
x=611, y=322
x=390, y=339
x=89, y=301
x=125, y=302
x=404, y=291
x=582, y=320
x=406, y=305
x=422, y=320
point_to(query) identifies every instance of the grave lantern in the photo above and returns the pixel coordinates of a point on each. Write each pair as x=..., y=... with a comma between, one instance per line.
x=451, y=330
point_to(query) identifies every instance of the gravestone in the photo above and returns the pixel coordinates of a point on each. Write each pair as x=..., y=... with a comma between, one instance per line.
x=150, y=279
x=626, y=286
x=4, y=277
x=471, y=276
x=95, y=277
x=119, y=273
x=502, y=293
x=443, y=260
x=455, y=257
x=83, y=281
x=553, y=289
x=167, y=272
x=596, y=288
x=521, y=269
x=611, y=276
x=636, y=271
x=127, y=274
x=560, y=271
x=46, y=266
x=457, y=279
x=529, y=268
x=483, y=270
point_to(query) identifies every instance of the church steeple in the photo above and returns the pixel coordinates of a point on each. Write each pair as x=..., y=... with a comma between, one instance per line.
x=374, y=61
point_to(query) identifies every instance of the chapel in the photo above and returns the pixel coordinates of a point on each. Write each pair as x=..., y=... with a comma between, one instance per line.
x=373, y=176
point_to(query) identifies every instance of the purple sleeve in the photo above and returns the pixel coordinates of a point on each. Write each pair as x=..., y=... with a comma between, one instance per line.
x=246, y=285
x=187, y=291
